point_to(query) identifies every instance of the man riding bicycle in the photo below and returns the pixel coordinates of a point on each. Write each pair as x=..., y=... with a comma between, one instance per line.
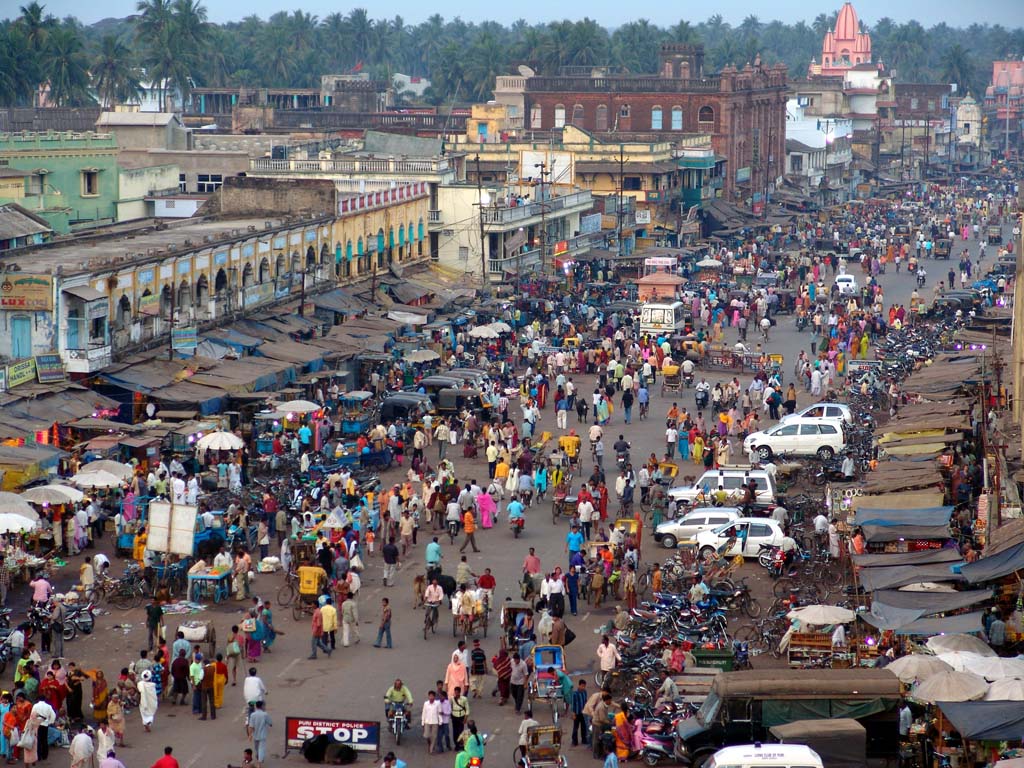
x=433, y=596
x=397, y=697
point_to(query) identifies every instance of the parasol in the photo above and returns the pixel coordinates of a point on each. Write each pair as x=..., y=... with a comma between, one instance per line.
x=819, y=615
x=13, y=504
x=1005, y=690
x=960, y=660
x=917, y=666
x=52, y=494
x=123, y=471
x=11, y=523
x=995, y=668
x=949, y=643
x=98, y=479
x=220, y=441
x=421, y=356
x=482, y=332
x=501, y=327
x=297, y=406
x=709, y=263
x=950, y=686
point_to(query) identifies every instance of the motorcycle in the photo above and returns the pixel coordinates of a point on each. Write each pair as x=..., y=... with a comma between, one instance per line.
x=621, y=460
x=79, y=619
x=517, y=524
x=801, y=322
x=920, y=279
x=688, y=380
x=453, y=529
x=399, y=721
x=701, y=399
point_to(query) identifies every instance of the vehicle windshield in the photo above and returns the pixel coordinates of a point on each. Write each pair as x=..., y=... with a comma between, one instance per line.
x=709, y=709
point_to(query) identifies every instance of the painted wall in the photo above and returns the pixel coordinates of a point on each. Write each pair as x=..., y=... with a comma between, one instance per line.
x=137, y=183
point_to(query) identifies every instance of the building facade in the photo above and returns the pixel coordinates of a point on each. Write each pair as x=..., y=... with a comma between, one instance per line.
x=845, y=46
x=1004, y=106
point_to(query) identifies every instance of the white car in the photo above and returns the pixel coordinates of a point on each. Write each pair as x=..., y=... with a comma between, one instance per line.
x=847, y=284
x=823, y=438
x=836, y=411
x=760, y=530
x=685, y=528
x=732, y=479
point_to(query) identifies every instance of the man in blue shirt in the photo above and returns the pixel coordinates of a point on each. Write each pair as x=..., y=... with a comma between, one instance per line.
x=305, y=435
x=573, y=541
x=433, y=554
x=514, y=509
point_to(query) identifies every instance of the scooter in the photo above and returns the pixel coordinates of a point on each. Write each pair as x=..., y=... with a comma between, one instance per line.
x=920, y=279
x=701, y=399
x=656, y=747
x=517, y=524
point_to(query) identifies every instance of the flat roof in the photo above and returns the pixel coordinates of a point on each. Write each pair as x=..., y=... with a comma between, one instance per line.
x=76, y=254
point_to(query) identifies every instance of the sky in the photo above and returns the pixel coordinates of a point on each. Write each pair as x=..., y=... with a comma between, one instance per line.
x=956, y=13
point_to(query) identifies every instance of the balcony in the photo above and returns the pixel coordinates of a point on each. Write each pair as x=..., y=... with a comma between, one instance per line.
x=505, y=217
x=369, y=166
x=87, y=360
x=435, y=216
x=527, y=261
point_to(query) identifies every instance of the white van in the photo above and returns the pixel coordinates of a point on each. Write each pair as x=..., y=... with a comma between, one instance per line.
x=765, y=756
x=731, y=479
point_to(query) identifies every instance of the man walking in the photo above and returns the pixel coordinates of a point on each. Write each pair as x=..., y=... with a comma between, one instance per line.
x=329, y=614
x=384, y=628
x=390, y=554
x=259, y=723
x=317, y=635
x=520, y=674
x=477, y=669
x=579, y=719
x=206, y=701
x=469, y=526
x=430, y=719
x=349, y=621
x=154, y=620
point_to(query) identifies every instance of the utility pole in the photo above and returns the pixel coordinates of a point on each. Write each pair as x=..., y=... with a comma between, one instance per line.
x=483, y=236
x=543, y=216
x=170, y=333
x=619, y=211
x=302, y=287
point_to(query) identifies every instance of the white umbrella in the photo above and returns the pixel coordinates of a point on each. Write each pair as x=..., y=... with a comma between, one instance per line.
x=709, y=263
x=123, y=471
x=297, y=406
x=73, y=493
x=482, y=332
x=819, y=615
x=917, y=666
x=969, y=643
x=421, y=356
x=98, y=479
x=13, y=504
x=220, y=441
x=1006, y=690
x=950, y=686
x=995, y=668
x=960, y=660
x=501, y=327
x=51, y=494
x=11, y=523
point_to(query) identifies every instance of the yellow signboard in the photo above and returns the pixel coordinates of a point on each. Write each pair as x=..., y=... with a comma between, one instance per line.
x=24, y=291
x=21, y=372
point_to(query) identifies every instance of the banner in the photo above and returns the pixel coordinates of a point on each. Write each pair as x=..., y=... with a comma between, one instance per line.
x=49, y=369
x=149, y=305
x=643, y=217
x=21, y=372
x=184, y=338
x=361, y=735
x=21, y=291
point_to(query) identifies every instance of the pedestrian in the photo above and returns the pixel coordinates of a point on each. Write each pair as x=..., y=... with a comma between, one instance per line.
x=209, y=685
x=477, y=669
x=469, y=527
x=195, y=678
x=502, y=664
x=444, y=731
x=82, y=749
x=329, y=614
x=154, y=624
x=259, y=723
x=384, y=628
x=430, y=719
x=580, y=721
x=520, y=673
x=391, y=560
x=179, y=676
x=317, y=635
x=148, y=700
x=349, y=621
x=460, y=712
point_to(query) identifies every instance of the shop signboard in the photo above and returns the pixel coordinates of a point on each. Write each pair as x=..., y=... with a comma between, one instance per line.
x=184, y=339
x=24, y=291
x=49, y=369
x=21, y=372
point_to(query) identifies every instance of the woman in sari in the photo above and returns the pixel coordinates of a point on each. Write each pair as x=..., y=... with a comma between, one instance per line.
x=486, y=507
x=254, y=638
x=100, y=694
x=115, y=717
x=31, y=729
x=74, y=696
x=220, y=682
x=51, y=691
x=269, y=633
x=623, y=731
x=128, y=506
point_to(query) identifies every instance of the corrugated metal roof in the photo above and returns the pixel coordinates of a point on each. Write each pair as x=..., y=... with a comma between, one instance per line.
x=114, y=119
x=15, y=221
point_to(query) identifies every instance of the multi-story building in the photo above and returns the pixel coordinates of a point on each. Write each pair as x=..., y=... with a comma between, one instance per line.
x=970, y=134
x=1004, y=106
x=844, y=47
x=819, y=155
x=742, y=110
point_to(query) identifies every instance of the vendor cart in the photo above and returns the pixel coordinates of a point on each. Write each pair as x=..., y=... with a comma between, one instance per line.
x=543, y=684
x=468, y=625
x=198, y=632
x=209, y=584
x=543, y=748
x=382, y=459
x=356, y=410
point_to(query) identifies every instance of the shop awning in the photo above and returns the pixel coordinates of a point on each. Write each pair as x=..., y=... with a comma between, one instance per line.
x=875, y=533
x=890, y=578
x=85, y=293
x=290, y=352
x=998, y=565
x=963, y=623
x=890, y=517
x=930, y=602
x=985, y=720
x=923, y=557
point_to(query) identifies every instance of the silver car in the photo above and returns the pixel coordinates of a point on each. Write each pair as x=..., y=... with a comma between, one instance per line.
x=685, y=528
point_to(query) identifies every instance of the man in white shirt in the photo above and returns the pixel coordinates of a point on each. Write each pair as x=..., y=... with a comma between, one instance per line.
x=671, y=436
x=585, y=510
x=253, y=688
x=47, y=716
x=430, y=719
x=820, y=524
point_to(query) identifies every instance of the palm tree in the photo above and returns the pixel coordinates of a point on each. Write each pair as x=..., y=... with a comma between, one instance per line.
x=37, y=24
x=67, y=68
x=635, y=46
x=154, y=17
x=115, y=80
x=362, y=33
x=19, y=66
x=683, y=32
x=958, y=67
x=190, y=25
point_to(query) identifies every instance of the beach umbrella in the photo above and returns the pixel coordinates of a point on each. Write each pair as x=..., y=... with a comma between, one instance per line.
x=819, y=615
x=995, y=668
x=950, y=686
x=52, y=494
x=422, y=356
x=123, y=471
x=917, y=666
x=11, y=523
x=501, y=327
x=1005, y=690
x=482, y=332
x=98, y=479
x=960, y=660
x=13, y=504
x=220, y=441
x=297, y=406
x=949, y=643
x=709, y=263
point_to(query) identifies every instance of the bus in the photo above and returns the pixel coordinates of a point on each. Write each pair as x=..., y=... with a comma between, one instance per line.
x=665, y=318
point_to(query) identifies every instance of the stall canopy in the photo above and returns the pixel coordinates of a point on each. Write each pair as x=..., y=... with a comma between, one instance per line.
x=996, y=566
x=840, y=742
x=899, y=576
x=922, y=557
x=985, y=720
x=891, y=517
x=963, y=623
x=877, y=534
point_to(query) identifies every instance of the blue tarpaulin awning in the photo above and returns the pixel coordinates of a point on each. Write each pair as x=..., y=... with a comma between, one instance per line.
x=996, y=566
x=920, y=516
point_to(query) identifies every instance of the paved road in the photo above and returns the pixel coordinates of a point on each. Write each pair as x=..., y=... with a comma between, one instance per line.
x=351, y=684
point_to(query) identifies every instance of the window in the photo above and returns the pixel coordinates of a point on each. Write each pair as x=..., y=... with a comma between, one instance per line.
x=169, y=204
x=760, y=531
x=209, y=182
x=90, y=183
x=706, y=120
x=624, y=110
x=601, y=120
x=577, y=115
x=536, y=116
x=796, y=163
x=787, y=431
x=182, y=183
x=717, y=520
x=655, y=118
x=967, y=129
x=35, y=184
x=463, y=253
x=559, y=115
x=631, y=183
x=931, y=105
x=809, y=429
x=677, y=118
x=827, y=429
x=913, y=103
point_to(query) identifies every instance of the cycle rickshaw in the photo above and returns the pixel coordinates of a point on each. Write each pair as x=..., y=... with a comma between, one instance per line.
x=545, y=685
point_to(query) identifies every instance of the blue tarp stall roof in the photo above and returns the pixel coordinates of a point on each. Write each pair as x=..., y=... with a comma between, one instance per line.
x=922, y=557
x=874, y=533
x=930, y=602
x=145, y=377
x=290, y=352
x=889, y=517
x=910, y=622
x=207, y=400
x=214, y=350
x=289, y=323
x=899, y=576
x=985, y=720
x=996, y=566
x=242, y=342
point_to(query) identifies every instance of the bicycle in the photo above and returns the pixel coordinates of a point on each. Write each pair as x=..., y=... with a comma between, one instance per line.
x=430, y=618
x=288, y=592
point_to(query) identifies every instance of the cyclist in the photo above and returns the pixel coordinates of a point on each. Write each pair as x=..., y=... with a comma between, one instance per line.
x=397, y=698
x=433, y=596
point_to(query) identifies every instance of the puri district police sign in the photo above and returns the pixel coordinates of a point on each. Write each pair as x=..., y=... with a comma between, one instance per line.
x=361, y=735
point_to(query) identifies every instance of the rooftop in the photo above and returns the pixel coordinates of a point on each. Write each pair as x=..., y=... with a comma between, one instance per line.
x=30, y=140
x=122, y=119
x=149, y=243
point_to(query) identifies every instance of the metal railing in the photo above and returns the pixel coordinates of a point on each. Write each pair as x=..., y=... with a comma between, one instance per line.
x=548, y=207
x=625, y=84
x=361, y=165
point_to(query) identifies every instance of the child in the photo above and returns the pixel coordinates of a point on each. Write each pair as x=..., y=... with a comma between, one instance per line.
x=370, y=538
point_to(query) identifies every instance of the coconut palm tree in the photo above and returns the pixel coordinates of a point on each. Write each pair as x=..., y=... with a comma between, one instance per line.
x=958, y=67
x=19, y=66
x=114, y=78
x=66, y=67
x=37, y=24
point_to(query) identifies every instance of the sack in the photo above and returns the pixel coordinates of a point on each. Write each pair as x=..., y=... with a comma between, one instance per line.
x=234, y=649
x=27, y=741
x=569, y=636
x=249, y=625
x=356, y=564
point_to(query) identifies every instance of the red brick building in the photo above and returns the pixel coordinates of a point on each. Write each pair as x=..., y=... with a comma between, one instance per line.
x=743, y=110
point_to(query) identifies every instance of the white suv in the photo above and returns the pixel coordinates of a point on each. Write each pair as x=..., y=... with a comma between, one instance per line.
x=732, y=479
x=847, y=284
x=823, y=438
x=760, y=530
x=685, y=528
x=837, y=411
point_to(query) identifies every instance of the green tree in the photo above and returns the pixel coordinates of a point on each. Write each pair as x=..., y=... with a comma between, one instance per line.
x=114, y=78
x=37, y=25
x=66, y=68
x=19, y=66
x=957, y=67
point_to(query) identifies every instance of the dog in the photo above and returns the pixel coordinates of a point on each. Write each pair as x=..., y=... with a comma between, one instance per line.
x=419, y=586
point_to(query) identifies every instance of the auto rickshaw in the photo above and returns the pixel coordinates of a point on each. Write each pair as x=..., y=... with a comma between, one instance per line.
x=630, y=526
x=563, y=507
x=942, y=248
x=994, y=233
x=543, y=748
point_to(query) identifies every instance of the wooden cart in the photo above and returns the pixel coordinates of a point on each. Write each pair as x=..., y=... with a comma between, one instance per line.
x=199, y=632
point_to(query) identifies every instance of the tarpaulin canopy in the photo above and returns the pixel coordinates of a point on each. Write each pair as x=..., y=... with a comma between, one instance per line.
x=921, y=557
x=985, y=720
x=901, y=575
x=881, y=533
x=962, y=623
x=242, y=342
x=840, y=742
x=290, y=351
x=930, y=602
x=994, y=567
x=890, y=517
x=207, y=400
